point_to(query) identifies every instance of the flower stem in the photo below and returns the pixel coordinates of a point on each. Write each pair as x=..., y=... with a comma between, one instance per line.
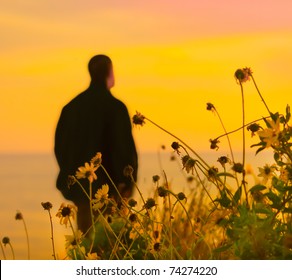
x=202, y=183
x=52, y=235
x=112, y=182
x=82, y=188
x=194, y=152
x=13, y=255
x=260, y=94
x=75, y=238
x=3, y=252
x=243, y=143
x=92, y=217
x=27, y=239
x=228, y=139
x=237, y=129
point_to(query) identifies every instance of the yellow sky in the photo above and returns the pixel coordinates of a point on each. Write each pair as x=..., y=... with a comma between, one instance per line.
x=168, y=65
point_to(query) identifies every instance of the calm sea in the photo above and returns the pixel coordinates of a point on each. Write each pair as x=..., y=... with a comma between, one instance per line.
x=27, y=180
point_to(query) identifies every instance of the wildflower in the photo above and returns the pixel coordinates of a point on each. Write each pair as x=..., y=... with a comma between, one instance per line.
x=132, y=202
x=71, y=180
x=270, y=135
x=18, y=216
x=163, y=147
x=101, y=197
x=267, y=172
x=176, y=146
x=212, y=173
x=156, y=246
x=238, y=167
x=162, y=191
x=214, y=143
x=286, y=173
x=5, y=240
x=155, y=242
x=150, y=202
x=128, y=171
x=258, y=196
x=254, y=127
x=137, y=230
x=181, y=196
x=242, y=75
x=138, y=119
x=87, y=171
x=210, y=107
x=133, y=218
x=223, y=160
x=65, y=212
x=71, y=241
x=47, y=205
x=155, y=178
x=92, y=256
x=96, y=160
x=188, y=163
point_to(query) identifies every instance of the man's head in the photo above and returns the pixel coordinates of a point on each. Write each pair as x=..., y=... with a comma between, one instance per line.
x=101, y=71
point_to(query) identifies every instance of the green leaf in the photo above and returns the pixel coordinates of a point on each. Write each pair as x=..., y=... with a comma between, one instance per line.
x=237, y=195
x=260, y=149
x=275, y=199
x=224, y=200
x=225, y=174
x=257, y=188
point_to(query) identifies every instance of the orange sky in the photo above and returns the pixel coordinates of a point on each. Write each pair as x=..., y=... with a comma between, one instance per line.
x=170, y=58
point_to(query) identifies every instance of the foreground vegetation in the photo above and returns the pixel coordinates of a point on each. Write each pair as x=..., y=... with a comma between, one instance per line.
x=220, y=217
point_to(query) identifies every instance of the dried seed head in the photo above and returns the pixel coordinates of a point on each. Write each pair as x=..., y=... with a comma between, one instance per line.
x=214, y=143
x=210, y=107
x=238, y=167
x=47, y=205
x=155, y=178
x=223, y=160
x=132, y=202
x=5, y=240
x=181, y=196
x=128, y=171
x=162, y=191
x=138, y=119
x=150, y=202
x=18, y=216
x=133, y=218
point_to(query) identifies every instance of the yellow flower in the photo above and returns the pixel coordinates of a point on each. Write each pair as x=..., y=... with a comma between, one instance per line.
x=155, y=241
x=137, y=230
x=71, y=242
x=92, y=256
x=267, y=172
x=284, y=175
x=65, y=212
x=96, y=160
x=270, y=135
x=101, y=197
x=87, y=171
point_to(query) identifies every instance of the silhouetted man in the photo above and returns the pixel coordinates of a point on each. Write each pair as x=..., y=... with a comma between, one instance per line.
x=95, y=121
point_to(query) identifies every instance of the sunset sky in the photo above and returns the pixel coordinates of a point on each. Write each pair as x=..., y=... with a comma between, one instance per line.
x=170, y=59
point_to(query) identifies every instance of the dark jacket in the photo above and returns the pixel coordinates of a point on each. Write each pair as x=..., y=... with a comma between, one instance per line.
x=95, y=121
